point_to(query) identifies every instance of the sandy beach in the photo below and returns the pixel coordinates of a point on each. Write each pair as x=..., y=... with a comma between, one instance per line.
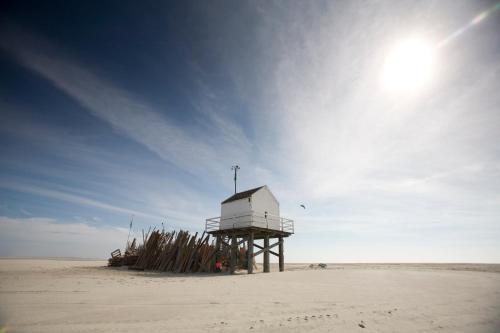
x=86, y=296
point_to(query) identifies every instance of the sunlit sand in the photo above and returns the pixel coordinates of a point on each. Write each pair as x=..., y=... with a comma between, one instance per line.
x=86, y=296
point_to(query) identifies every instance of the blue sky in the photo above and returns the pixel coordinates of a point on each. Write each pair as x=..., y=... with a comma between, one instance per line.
x=122, y=108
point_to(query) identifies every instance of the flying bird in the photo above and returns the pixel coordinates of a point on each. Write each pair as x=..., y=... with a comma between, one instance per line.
x=303, y=206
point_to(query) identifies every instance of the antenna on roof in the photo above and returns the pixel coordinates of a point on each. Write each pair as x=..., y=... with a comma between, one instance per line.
x=235, y=168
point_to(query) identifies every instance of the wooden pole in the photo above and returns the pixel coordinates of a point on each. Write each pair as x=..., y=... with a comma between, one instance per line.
x=216, y=258
x=234, y=242
x=282, y=255
x=217, y=247
x=266, y=254
x=250, y=253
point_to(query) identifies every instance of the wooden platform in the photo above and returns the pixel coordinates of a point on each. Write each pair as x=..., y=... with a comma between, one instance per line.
x=258, y=233
x=248, y=235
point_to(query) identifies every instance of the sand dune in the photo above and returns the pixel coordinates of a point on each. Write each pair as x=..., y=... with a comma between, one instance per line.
x=84, y=296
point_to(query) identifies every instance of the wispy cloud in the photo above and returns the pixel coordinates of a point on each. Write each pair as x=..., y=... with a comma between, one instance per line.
x=49, y=237
x=72, y=198
x=343, y=133
x=185, y=147
x=311, y=121
x=117, y=179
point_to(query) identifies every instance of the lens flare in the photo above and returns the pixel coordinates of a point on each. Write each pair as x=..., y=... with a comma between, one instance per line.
x=475, y=21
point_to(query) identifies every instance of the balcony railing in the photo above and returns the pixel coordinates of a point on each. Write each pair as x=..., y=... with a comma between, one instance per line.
x=266, y=221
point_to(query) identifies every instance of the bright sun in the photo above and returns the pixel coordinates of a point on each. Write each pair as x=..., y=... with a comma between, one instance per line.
x=408, y=66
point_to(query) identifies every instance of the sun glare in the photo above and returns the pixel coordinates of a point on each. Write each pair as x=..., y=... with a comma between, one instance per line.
x=408, y=66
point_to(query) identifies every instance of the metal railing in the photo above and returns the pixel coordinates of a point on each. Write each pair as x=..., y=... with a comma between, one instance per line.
x=254, y=219
x=287, y=225
x=212, y=224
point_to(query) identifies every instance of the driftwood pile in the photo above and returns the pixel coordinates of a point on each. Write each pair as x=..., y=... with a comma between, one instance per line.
x=116, y=258
x=128, y=258
x=177, y=252
x=131, y=254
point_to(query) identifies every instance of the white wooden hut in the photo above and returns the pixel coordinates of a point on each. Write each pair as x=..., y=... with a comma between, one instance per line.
x=257, y=207
x=246, y=217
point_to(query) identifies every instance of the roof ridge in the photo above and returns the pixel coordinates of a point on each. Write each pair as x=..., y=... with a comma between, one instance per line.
x=242, y=195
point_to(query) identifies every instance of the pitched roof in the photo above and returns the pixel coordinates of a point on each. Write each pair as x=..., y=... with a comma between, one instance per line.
x=241, y=195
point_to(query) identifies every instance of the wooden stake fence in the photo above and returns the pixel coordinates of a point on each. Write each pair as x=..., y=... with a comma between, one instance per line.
x=176, y=252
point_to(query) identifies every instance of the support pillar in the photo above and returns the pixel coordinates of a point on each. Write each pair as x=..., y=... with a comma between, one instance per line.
x=266, y=254
x=234, y=248
x=282, y=255
x=216, y=258
x=250, y=253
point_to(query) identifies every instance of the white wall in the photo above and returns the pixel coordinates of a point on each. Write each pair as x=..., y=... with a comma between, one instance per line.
x=233, y=209
x=246, y=213
x=263, y=201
